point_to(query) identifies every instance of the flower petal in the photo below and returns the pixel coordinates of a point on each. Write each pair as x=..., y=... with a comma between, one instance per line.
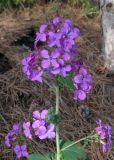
x=55, y=71
x=36, y=114
x=44, y=53
x=45, y=64
x=43, y=37
x=44, y=114
x=55, y=53
x=78, y=79
x=51, y=135
x=42, y=28
x=79, y=94
x=36, y=124
x=55, y=64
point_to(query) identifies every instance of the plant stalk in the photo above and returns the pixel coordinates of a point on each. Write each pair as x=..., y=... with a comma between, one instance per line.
x=87, y=137
x=57, y=127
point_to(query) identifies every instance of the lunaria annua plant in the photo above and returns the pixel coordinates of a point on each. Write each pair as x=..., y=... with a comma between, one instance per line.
x=57, y=58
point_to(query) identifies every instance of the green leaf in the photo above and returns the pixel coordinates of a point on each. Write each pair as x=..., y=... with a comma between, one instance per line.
x=85, y=143
x=75, y=152
x=39, y=156
x=65, y=82
x=52, y=117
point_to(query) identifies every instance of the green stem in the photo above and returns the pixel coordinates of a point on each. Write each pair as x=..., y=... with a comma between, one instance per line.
x=57, y=127
x=87, y=137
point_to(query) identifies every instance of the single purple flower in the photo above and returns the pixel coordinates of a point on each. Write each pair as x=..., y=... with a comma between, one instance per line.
x=67, y=26
x=44, y=132
x=62, y=69
x=75, y=33
x=32, y=68
x=56, y=21
x=41, y=35
x=50, y=132
x=67, y=43
x=36, y=76
x=54, y=39
x=49, y=59
x=79, y=95
x=26, y=67
x=20, y=151
x=83, y=79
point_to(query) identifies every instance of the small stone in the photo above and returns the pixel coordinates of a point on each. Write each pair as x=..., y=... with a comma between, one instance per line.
x=85, y=111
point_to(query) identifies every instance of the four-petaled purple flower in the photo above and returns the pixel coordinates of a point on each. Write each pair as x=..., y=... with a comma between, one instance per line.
x=20, y=151
x=32, y=68
x=79, y=94
x=54, y=39
x=104, y=133
x=83, y=79
x=44, y=132
x=41, y=35
x=49, y=60
x=62, y=69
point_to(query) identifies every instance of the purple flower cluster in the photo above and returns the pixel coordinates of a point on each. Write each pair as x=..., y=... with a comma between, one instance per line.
x=21, y=151
x=41, y=128
x=59, y=35
x=104, y=133
x=58, y=55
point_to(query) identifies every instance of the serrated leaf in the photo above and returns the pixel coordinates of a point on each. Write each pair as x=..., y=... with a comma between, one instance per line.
x=75, y=152
x=65, y=82
x=39, y=156
x=52, y=117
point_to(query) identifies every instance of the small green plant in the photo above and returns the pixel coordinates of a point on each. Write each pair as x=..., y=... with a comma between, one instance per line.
x=14, y=3
x=74, y=2
x=90, y=9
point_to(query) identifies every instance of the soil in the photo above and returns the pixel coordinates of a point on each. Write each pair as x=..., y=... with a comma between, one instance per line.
x=19, y=97
x=26, y=41
x=4, y=64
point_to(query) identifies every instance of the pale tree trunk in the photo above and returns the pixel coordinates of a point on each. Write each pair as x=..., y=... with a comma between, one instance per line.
x=107, y=8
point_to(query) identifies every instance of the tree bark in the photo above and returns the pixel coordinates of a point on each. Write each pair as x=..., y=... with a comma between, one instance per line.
x=107, y=9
